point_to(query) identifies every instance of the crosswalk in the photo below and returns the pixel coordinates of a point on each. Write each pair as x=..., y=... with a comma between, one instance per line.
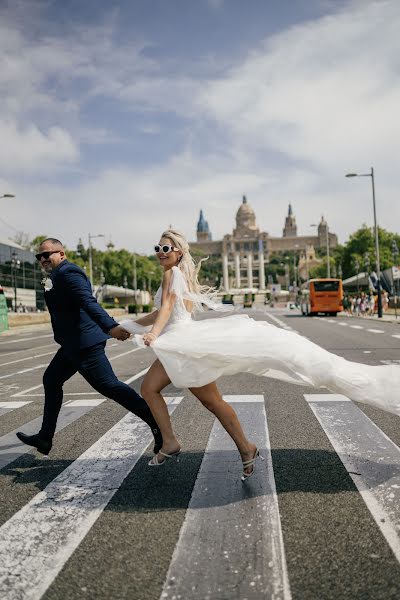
x=239, y=523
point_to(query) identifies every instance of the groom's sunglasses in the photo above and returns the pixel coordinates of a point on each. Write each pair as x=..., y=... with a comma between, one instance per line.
x=45, y=255
x=166, y=249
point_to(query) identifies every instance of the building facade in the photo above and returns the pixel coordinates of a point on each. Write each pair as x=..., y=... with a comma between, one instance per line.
x=246, y=250
x=20, y=277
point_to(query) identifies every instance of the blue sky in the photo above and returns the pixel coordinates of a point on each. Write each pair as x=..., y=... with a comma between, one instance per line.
x=125, y=117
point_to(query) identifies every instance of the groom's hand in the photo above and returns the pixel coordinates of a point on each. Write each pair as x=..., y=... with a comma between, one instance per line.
x=119, y=333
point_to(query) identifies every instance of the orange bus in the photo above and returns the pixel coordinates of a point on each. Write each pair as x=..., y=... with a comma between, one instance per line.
x=322, y=296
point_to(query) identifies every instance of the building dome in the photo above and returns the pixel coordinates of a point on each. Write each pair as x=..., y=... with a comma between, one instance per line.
x=245, y=216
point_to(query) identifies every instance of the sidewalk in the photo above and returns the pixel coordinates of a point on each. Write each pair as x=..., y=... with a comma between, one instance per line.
x=388, y=317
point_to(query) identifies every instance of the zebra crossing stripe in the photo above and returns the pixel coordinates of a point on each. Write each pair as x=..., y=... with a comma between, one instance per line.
x=369, y=456
x=39, y=539
x=6, y=407
x=209, y=561
x=10, y=446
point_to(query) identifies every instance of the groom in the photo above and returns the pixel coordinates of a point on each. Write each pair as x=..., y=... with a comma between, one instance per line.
x=81, y=327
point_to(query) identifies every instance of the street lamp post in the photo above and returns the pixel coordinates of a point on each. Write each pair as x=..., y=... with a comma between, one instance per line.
x=357, y=266
x=395, y=253
x=15, y=263
x=378, y=265
x=91, y=237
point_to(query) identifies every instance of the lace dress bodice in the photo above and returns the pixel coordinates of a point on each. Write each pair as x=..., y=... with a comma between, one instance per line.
x=179, y=312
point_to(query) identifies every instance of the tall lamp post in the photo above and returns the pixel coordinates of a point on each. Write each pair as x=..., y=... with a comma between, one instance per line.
x=15, y=263
x=90, y=238
x=378, y=264
x=395, y=253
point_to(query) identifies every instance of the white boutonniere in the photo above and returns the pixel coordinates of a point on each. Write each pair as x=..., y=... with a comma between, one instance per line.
x=47, y=283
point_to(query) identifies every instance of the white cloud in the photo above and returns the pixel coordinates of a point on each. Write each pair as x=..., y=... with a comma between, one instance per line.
x=25, y=149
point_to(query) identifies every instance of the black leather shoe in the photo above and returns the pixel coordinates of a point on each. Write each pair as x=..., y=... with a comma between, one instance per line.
x=43, y=446
x=158, y=441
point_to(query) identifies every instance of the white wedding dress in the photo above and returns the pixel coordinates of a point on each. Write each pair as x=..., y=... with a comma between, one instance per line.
x=195, y=353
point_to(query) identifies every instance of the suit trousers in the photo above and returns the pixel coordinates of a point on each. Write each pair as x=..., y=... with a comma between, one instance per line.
x=93, y=364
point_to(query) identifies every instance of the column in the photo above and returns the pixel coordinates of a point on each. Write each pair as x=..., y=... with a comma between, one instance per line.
x=250, y=270
x=237, y=269
x=261, y=272
x=225, y=274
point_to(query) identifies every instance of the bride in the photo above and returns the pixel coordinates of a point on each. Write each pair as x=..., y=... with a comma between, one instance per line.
x=194, y=354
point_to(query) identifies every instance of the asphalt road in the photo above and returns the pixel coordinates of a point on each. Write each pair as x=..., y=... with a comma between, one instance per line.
x=319, y=520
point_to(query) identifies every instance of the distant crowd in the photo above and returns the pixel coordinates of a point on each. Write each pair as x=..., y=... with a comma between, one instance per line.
x=364, y=304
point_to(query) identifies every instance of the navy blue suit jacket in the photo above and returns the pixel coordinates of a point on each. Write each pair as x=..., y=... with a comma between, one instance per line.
x=77, y=318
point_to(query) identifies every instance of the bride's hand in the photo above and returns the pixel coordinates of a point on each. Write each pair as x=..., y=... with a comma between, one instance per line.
x=148, y=338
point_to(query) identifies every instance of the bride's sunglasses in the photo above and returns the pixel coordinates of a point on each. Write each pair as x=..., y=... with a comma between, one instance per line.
x=165, y=249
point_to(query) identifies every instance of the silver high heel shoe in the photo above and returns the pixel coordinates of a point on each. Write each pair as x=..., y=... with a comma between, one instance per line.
x=250, y=463
x=154, y=462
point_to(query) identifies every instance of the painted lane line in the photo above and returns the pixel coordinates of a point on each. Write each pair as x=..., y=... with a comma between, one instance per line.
x=2, y=354
x=330, y=320
x=222, y=510
x=251, y=398
x=6, y=407
x=35, y=387
x=23, y=392
x=356, y=327
x=23, y=371
x=375, y=330
x=371, y=459
x=12, y=362
x=395, y=335
x=29, y=339
x=343, y=324
x=10, y=446
x=39, y=539
x=279, y=321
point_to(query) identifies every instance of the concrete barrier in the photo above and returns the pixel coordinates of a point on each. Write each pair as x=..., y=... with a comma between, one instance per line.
x=22, y=319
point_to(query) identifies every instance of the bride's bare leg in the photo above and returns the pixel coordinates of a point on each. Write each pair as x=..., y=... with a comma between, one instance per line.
x=155, y=380
x=210, y=397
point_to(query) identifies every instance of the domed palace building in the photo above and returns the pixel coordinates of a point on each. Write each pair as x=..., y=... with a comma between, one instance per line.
x=245, y=251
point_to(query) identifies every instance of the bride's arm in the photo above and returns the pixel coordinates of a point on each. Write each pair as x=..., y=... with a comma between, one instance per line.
x=164, y=313
x=148, y=319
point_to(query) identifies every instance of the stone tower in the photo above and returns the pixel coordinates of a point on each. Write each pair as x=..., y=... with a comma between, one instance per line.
x=203, y=230
x=290, y=229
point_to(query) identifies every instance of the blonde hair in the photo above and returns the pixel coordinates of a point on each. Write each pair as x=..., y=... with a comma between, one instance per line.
x=190, y=269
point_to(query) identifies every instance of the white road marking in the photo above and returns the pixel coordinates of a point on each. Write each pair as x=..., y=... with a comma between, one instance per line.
x=27, y=350
x=25, y=392
x=6, y=407
x=343, y=324
x=223, y=510
x=356, y=327
x=39, y=539
x=23, y=371
x=35, y=387
x=375, y=330
x=326, y=398
x=370, y=457
x=12, y=362
x=90, y=402
x=28, y=339
x=279, y=321
x=395, y=335
x=367, y=351
x=251, y=398
x=11, y=447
